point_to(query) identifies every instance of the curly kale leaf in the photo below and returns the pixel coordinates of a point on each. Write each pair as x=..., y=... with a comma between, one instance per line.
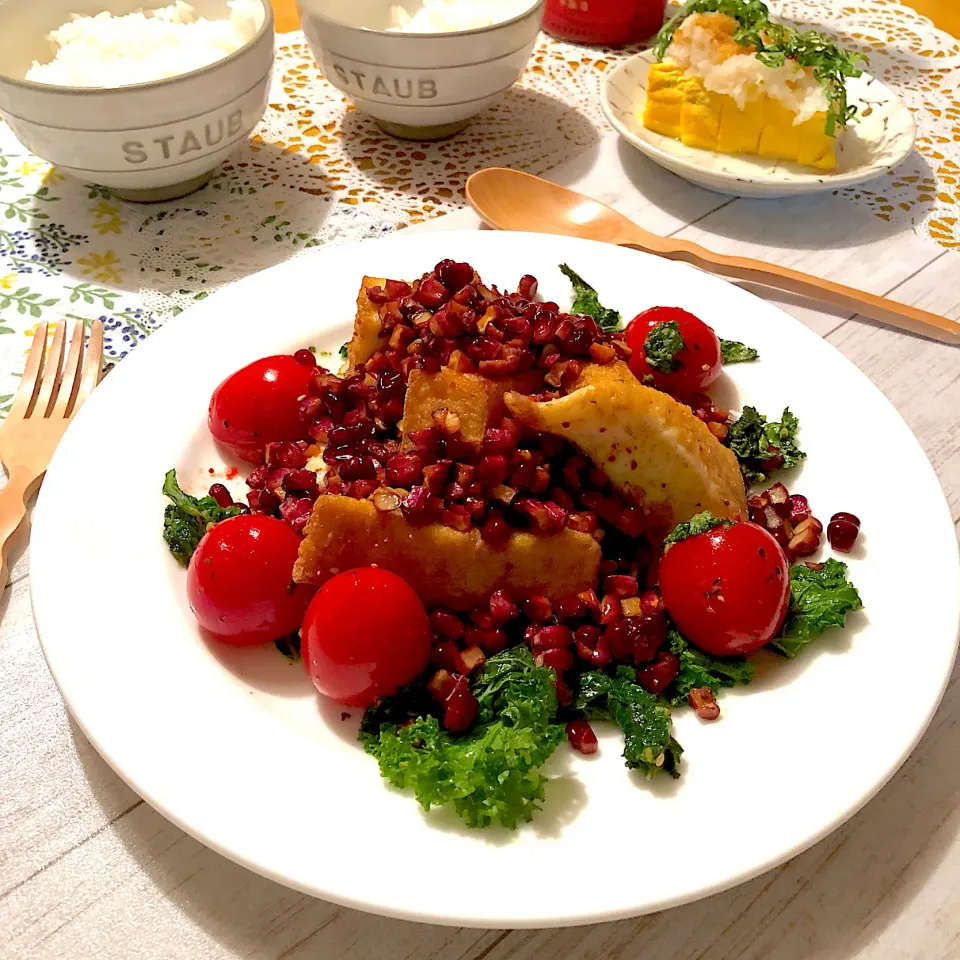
x=409, y=703
x=732, y=351
x=819, y=599
x=510, y=679
x=699, y=669
x=489, y=774
x=644, y=718
x=755, y=442
x=662, y=344
x=586, y=301
x=697, y=524
x=186, y=519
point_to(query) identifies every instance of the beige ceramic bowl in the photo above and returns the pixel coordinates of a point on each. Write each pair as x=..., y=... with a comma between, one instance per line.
x=416, y=85
x=147, y=141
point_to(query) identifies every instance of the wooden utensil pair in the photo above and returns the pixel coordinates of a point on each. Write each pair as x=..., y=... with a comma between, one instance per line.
x=50, y=393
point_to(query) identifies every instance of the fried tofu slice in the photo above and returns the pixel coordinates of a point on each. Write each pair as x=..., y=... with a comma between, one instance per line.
x=444, y=566
x=475, y=400
x=656, y=453
x=367, y=337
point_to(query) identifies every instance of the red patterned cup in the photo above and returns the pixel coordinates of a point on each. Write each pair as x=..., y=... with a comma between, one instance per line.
x=609, y=22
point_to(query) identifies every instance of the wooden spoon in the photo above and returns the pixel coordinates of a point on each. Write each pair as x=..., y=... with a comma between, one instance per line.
x=511, y=200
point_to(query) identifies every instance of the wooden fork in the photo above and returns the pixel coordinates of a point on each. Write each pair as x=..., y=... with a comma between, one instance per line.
x=50, y=393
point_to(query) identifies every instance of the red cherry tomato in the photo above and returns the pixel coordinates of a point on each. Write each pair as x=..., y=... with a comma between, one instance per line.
x=259, y=404
x=727, y=590
x=699, y=360
x=365, y=635
x=240, y=581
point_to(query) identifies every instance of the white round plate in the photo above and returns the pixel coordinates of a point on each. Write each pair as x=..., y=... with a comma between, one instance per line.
x=880, y=141
x=234, y=746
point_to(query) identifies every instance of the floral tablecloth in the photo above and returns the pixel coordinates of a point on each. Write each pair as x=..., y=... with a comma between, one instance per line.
x=318, y=172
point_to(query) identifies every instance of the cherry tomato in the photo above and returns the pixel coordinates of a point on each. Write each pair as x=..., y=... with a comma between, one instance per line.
x=259, y=404
x=727, y=590
x=365, y=635
x=240, y=581
x=699, y=360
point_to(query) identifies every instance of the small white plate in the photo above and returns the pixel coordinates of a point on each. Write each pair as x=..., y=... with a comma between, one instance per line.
x=235, y=747
x=882, y=139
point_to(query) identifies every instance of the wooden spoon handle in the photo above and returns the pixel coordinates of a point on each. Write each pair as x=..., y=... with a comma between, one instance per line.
x=886, y=311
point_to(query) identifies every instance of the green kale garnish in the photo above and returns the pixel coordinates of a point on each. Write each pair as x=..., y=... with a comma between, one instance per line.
x=732, y=351
x=819, y=599
x=662, y=344
x=776, y=43
x=343, y=352
x=586, y=301
x=699, y=669
x=491, y=773
x=187, y=518
x=756, y=442
x=510, y=677
x=698, y=523
x=643, y=717
x=408, y=703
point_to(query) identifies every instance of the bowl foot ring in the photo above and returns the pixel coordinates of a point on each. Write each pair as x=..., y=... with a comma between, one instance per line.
x=172, y=191
x=404, y=131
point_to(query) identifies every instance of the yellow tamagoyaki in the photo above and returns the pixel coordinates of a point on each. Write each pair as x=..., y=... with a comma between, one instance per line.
x=712, y=92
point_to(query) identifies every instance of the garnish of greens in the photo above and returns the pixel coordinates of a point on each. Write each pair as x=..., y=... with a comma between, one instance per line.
x=754, y=441
x=732, y=351
x=489, y=774
x=662, y=344
x=343, y=352
x=775, y=43
x=698, y=669
x=644, y=719
x=819, y=599
x=698, y=523
x=586, y=301
x=186, y=518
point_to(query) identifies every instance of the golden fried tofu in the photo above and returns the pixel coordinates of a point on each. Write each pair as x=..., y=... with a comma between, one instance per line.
x=444, y=566
x=656, y=453
x=475, y=400
x=367, y=337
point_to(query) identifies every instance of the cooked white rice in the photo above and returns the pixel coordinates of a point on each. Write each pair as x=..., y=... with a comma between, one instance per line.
x=446, y=16
x=109, y=51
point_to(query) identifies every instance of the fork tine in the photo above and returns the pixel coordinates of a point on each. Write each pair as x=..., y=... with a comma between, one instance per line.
x=30, y=380
x=70, y=383
x=52, y=371
x=92, y=365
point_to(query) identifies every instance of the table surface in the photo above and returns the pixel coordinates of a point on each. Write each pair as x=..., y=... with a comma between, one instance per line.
x=88, y=870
